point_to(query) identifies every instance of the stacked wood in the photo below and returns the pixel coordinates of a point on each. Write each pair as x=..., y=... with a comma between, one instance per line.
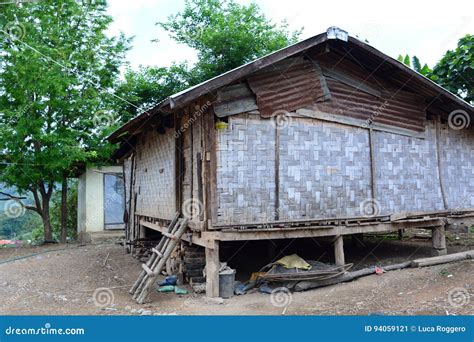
x=194, y=262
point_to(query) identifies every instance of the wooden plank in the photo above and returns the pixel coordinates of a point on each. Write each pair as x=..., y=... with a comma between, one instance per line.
x=234, y=99
x=316, y=114
x=322, y=81
x=211, y=169
x=212, y=271
x=276, y=213
x=373, y=175
x=350, y=81
x=306, y=232
x=438, y=158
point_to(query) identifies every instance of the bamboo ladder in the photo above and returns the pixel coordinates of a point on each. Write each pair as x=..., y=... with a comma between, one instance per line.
x=160, y=254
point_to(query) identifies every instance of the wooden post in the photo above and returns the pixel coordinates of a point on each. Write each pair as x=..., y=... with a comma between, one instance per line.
x=212, y=271
x=440, y=162
x=339, y=250
x=438, y=240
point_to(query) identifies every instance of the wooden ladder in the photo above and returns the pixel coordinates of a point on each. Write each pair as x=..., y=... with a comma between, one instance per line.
x=160, y=254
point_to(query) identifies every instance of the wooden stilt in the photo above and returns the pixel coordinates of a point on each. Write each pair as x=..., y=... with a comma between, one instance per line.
x=438, y=240
x=212, y=271
x=339, y=250
x=401, y=233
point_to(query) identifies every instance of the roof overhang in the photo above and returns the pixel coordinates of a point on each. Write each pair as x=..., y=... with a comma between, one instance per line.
x=351, y=44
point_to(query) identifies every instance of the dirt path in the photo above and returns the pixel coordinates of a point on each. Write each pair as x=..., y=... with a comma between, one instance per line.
x=63, y=282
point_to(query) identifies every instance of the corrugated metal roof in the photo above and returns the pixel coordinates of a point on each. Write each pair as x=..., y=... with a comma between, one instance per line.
x=405, y=76
x=287, y=85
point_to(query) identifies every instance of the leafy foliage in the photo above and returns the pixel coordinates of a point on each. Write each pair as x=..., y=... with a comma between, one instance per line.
x=57, y=69
x=415, y=64
x=455, y=71
x=148, y=86
x=226, y=34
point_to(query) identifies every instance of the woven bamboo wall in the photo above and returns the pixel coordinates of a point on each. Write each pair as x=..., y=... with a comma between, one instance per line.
x=324, y=169
x=407, y=172
x=458, y=166
x=155, y=175
x=246, y=170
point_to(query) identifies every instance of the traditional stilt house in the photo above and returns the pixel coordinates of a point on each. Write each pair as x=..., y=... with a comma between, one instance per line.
x=326, y=137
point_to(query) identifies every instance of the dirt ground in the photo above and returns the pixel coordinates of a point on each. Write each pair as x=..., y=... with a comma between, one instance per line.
x=73, y=280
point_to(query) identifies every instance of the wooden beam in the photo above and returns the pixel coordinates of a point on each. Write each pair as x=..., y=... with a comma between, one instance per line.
x=212, y=271
x=192, y=238
x=339, y=250
x=307, y=232
x=351, y=81
x=317, y=114
x=373, y=178
x=276, y=215
x=440, y=164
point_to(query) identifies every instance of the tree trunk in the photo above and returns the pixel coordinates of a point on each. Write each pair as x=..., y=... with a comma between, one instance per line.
x=63, y=210
x=48, y=232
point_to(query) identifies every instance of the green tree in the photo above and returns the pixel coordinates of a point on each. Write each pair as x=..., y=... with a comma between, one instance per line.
x=455, y=71
x=226, y=34
x=57, y=67
x=147, y=86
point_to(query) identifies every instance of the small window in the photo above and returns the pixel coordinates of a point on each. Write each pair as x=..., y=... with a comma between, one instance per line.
x=114, y=204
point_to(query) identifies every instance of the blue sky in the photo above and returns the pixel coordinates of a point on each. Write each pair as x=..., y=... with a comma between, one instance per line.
x=426, y=29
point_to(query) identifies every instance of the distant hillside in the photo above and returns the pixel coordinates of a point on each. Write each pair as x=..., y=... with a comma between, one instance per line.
x=15, y=221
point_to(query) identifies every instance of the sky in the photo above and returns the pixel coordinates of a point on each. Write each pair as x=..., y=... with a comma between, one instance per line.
x=426, y=29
